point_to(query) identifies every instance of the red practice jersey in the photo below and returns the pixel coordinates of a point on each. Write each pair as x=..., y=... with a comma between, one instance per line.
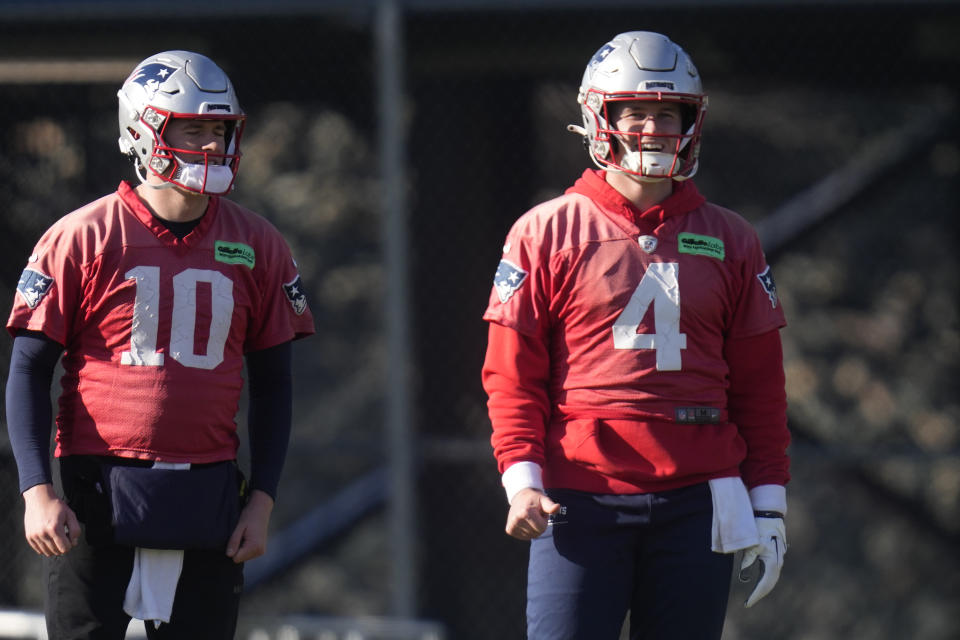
x=155, y=327
x=634, y=311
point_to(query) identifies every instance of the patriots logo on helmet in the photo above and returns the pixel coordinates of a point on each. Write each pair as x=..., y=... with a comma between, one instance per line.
x=601, y=55
x=508, y=279
x=766, y=281
x=33, y=286
x=295, y=294
x=151, y=76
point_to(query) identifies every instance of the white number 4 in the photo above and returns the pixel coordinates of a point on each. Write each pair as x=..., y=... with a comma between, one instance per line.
x=659, y=287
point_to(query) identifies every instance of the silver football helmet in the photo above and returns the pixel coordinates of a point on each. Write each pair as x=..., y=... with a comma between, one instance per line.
x=641, y=65
x=179, y=84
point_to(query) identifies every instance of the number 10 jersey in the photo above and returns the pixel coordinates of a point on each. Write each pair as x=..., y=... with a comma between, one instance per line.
x=155, y=327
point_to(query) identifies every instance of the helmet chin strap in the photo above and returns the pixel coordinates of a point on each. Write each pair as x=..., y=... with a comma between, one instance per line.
x=652, y=165
x=191, y=176
x=213, y=179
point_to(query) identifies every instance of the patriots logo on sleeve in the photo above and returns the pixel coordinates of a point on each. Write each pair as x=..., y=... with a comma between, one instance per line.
x=151, y=76
x=33, y=286
x=295, y=294
x=508, y=279
x=766, y=281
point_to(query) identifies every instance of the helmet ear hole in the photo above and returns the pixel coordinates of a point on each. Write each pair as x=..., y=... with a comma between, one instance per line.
x=613, y=147
x=688, y=116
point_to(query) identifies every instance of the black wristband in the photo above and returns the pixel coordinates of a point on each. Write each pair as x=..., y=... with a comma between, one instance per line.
x=767, y=514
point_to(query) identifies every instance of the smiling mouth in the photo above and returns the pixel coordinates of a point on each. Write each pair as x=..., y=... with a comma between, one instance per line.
x=651, y=146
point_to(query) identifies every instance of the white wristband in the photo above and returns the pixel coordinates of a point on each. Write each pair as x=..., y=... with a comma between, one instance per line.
x=769, y=497
x=521, y=475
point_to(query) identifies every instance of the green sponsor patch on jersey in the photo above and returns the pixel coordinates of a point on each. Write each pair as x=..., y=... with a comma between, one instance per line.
x=700, y=245
x=234, y=253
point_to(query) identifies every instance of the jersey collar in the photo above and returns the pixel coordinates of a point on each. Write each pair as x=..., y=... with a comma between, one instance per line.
x=685, y=198
x=143, y=213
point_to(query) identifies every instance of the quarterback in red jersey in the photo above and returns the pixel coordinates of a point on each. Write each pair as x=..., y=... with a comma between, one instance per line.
x=155, y=296
x=635, y=373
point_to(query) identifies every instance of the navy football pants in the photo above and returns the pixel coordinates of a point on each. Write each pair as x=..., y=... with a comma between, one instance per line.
x=648, y=554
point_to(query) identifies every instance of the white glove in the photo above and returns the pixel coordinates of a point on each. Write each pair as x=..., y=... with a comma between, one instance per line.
x=770, y=551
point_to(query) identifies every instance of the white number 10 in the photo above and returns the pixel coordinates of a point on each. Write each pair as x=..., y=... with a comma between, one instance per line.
x=659, y=287
x=145, y=325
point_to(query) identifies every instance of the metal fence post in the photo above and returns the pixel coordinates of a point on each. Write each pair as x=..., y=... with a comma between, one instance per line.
x=399, y=437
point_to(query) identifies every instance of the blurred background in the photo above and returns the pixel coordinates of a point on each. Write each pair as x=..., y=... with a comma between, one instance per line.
x=394, y=142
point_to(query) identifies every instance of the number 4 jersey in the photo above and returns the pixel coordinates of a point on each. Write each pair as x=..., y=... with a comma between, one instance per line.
x=634, y=311
x=155, y=327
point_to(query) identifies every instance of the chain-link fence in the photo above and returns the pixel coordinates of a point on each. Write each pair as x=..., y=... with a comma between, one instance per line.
x=797, y=92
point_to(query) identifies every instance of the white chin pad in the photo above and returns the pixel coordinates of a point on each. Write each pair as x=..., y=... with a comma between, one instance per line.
x=648, y=163
x=218, y=177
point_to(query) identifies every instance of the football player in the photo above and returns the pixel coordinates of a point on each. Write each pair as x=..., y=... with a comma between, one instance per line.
x=153, y=297
x=635, y=373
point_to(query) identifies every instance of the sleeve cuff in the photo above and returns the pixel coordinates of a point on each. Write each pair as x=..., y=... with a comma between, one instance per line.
x=521, y=475
x=768, y=497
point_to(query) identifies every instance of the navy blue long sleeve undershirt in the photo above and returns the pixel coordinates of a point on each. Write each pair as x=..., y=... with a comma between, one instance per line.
x=30, y=413
x=270, y=414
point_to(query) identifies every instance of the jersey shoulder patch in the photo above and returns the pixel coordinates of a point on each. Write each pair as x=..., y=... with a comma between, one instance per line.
x=508, y=279
x=33, y=286
x=296, y=295
x=766, y=281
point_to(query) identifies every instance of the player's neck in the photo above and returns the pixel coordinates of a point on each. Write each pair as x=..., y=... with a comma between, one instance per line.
x=173, y=204
x=643, y=195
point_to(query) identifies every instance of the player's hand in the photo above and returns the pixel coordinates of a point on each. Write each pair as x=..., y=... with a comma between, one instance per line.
x=49, y=525
x=529, y=512
x=249, y=539
x=770, y=552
